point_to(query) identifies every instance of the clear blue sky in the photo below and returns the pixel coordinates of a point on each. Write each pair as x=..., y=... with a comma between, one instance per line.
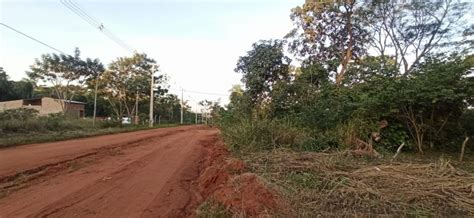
x=196, y=42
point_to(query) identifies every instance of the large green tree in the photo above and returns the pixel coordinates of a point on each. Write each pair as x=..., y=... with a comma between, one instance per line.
x=414, y=30
x=24, y=88
x=65, y=73
x=128, y=80
x=5, y=86
x=331, y=33
x=263, y=67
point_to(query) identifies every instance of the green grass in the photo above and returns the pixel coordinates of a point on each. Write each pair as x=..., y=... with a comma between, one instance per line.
x=211, y=209
x=15, y=139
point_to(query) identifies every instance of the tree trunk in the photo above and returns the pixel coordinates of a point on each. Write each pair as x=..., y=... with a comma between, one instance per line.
x=348, y=54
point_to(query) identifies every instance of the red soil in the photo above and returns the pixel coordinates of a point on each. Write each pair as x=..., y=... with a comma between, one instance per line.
x=154, y=173
x=225, y=182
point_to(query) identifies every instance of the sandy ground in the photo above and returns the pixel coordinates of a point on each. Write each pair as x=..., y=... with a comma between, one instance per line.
x=150, y=173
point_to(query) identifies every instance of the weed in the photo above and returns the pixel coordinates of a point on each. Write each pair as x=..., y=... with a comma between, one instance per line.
x=211, y=209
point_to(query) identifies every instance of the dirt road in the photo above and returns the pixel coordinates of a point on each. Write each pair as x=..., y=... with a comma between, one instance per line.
x=149, y=173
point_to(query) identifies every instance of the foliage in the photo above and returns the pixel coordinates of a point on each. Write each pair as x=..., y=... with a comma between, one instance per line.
x=5, y=86
x=342, y=97
x=128, y=79
x=330, y=33
x=211, y=111
x=107, y=93
x=413, y=31
x=25, y=120
x=168, y=109
x=263, y=67
x=18, y=114
x=12, y=90
x=252, y=135
x=62, y=71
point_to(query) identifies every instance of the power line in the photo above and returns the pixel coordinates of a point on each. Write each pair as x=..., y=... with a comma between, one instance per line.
x=32, y=38
x=74, y=7
x=82, y=11
x=79, y=11
x=203, y=93
x=207, y=93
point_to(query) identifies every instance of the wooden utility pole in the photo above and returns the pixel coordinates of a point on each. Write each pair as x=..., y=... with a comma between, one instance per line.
x=182, y=105
x=136, y=108
x=95, y=99
x=151, y=98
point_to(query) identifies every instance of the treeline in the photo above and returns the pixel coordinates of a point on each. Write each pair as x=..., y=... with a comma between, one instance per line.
x=120, y=89
x=10, y=90
x=370, y=75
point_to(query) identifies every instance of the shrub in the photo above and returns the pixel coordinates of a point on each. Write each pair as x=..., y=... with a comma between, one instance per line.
x=253, y=135
x=18, y=114
x=27, y=121
x=110, y=124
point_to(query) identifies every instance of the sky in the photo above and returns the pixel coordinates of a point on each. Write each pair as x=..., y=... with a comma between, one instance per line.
x=196, y=42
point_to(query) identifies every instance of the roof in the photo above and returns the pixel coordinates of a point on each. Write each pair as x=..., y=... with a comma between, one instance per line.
x=31, y=99
x=75, y=102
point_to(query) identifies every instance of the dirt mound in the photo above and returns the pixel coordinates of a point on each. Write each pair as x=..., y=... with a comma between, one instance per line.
x=226, y=183
x=249, y=194
x=218, y=174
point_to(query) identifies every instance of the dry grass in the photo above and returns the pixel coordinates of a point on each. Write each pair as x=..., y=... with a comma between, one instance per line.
x=339, y=184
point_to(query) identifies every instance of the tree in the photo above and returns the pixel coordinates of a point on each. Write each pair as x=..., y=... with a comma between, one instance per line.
x=24, y=88
x=435, y=98
x=263, y=67
x=211, y=110
x=167, y=106
x=5, y=86
x=127, y=80
x=12, y=90
x=412, y=31
x=330, y=33
x=64, y=72
x=93, y=70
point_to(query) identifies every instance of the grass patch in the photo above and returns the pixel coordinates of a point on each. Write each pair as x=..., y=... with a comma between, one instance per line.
x=211, y=209
x=14, y=139
x=335, y=184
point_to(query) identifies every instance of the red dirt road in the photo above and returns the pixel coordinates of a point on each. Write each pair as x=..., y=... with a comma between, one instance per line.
x=148, y=173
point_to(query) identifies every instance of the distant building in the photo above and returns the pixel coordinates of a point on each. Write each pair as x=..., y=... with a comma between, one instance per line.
x=46, y=106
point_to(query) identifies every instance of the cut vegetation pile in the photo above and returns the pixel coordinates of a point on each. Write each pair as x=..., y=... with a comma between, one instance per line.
x=338, y=184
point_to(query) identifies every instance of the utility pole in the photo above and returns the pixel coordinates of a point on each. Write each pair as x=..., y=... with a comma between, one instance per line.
x=202, y=116
x=95, y=99
x=182, y=105
x=136, y=107
x=151, y=97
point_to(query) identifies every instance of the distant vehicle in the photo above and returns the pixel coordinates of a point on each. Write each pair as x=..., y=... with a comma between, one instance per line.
x=126, y=120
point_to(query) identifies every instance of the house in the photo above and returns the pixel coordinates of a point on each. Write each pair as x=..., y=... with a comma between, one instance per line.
x=46, y=105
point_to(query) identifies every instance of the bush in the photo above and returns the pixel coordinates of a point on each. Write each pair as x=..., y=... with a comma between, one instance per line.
x=27, y=121
x=110, y=124
x=253, y=135
x=18, y=114
x=427, y=109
